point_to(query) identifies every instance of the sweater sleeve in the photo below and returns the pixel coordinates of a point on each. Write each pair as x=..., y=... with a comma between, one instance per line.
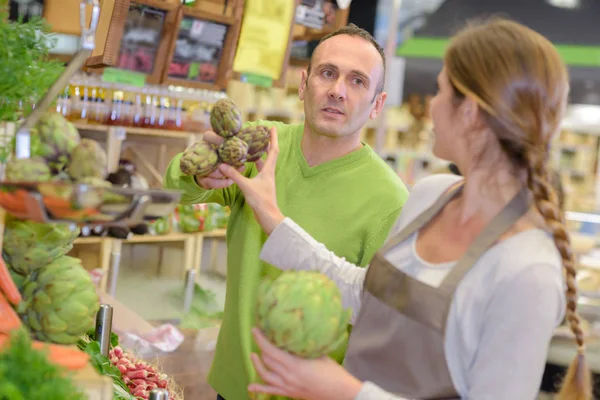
x=370, y=391
x=291, y=247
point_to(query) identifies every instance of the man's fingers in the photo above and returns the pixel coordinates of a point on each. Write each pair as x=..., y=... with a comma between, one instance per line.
x=234, y=175
x=212, y=183
x=212, y=138
x=216, y=174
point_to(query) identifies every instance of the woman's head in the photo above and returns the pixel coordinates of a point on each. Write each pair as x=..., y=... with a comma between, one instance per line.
x=502, y=95
x=503, y=87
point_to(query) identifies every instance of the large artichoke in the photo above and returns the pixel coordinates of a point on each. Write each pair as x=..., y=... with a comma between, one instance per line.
x=88, y=160
x=199, y=159
x=225, y=118
x=233, y=151
x=301, y=312
x=257, y=138
x=32, y=169
x=59, y=301
x=30, y=245
x=57, y=137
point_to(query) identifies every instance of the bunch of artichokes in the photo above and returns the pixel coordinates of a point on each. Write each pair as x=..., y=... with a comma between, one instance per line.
x=240, y=145
x=59, y=298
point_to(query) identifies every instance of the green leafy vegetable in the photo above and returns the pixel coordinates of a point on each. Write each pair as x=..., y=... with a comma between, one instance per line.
x=26, y=374
x=103, y=364
x=25, y=70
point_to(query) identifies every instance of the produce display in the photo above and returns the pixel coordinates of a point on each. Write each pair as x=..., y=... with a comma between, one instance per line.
x=240, y=145
x=133, y=379
x=139, y=376
x=301, y=312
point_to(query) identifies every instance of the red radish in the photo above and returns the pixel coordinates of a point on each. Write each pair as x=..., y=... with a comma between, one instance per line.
x=140, y=374
x=162, y=384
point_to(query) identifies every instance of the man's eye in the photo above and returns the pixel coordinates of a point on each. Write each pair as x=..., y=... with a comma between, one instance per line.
x=358, y=81
x=327, y=74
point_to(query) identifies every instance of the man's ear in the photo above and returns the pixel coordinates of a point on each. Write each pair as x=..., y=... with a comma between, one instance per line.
x=379, y=103
x=303, y=81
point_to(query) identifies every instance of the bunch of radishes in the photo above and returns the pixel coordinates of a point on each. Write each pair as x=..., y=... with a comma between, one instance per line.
x=139, y=377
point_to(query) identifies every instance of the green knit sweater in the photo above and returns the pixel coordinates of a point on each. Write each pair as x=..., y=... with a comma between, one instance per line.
x=349, y=204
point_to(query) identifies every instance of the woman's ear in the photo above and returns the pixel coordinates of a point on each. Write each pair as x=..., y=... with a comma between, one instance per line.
x=469, y=112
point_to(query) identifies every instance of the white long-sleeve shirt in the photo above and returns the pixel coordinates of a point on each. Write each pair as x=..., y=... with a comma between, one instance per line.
x=503, y=313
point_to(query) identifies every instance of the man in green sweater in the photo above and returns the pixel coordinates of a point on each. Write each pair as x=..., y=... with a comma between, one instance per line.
x=333, y=185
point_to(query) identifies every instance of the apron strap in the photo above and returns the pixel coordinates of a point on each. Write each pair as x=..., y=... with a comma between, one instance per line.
x=422, y=219
x=506, y=218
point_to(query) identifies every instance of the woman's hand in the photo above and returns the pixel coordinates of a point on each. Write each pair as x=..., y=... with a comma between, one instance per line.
x=287, y=375
x=260, y=191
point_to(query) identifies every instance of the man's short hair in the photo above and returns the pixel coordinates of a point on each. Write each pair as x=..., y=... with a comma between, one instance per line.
x=353, y=30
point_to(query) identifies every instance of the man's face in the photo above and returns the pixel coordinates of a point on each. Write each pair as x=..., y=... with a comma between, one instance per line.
x=339, y=94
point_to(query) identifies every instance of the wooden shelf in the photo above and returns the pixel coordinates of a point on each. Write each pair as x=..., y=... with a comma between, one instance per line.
x=173, y=237
x=90, y=240
x=129, y=130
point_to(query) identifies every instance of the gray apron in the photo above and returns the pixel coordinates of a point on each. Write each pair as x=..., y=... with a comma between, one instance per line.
x=398, y=339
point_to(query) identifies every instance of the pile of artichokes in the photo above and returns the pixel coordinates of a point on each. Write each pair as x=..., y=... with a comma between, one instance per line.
x=240, y=145
x=59, y=298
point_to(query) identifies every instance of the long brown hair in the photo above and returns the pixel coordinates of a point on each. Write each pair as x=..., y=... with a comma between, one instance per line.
x=521, y=85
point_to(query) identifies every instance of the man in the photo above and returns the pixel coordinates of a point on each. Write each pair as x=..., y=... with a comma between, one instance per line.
x=333, y=185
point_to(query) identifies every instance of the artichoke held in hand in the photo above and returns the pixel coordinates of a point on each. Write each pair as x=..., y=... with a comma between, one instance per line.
x=233, y=151
x=257, y=138
x=301, y=312
x=200, y=159
x=225, y=118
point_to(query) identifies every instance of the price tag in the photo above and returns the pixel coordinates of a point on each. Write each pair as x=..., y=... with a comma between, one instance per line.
x=120, y=133
x=197, y=28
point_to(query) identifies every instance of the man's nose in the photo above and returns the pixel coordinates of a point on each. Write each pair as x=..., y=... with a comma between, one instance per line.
x=338, y=90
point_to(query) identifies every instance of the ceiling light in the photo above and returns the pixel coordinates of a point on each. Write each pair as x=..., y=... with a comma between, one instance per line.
x=564, y=3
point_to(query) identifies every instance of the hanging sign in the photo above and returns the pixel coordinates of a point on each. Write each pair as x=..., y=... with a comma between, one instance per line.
x=264, y=38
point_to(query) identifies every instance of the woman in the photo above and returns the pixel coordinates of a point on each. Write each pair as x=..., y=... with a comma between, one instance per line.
x=463, y=299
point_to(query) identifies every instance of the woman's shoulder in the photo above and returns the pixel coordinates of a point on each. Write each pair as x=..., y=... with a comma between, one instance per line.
x=427, y=190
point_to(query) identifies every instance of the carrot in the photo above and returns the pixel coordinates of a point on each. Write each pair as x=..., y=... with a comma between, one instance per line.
x=66, y=356
x=62, y=208
x=7, y=285
x=12, y=203
x=9, y=319
x=3, y=340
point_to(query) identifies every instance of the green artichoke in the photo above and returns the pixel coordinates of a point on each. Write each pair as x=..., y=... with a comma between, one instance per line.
x=29, y=245
x=28, y=170
x=88, y=160
x=59, y=302
x=301, y=312
x=57, y=136
x=257, y=138
x=233, y=151
x=225, y=118
x=200, y=159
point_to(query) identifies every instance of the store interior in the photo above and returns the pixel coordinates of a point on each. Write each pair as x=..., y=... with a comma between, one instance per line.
x=145, y=94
